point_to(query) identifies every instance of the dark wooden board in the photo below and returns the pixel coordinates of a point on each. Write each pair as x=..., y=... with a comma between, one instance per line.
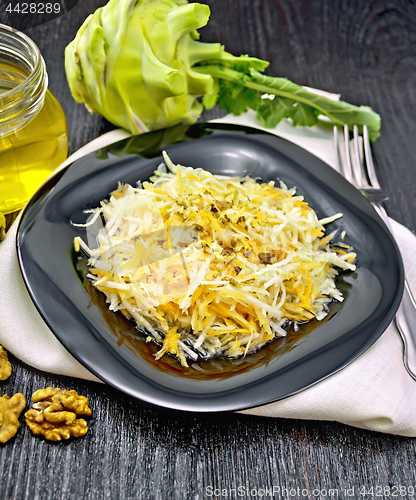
x=363, y=49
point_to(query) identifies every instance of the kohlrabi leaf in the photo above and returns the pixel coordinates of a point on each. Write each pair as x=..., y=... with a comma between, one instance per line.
x=307, y=105
x=272, y=109
x=236, y=98
x=304, y=115
x=339, y=112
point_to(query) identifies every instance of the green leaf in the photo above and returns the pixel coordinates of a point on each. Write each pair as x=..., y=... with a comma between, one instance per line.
x=237, y=98
x=309, y=105
x=339, y=112
x=271, y=111
x=304, y=115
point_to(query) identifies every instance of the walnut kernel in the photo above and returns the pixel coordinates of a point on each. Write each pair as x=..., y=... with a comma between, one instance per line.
x=54, y=414
x=5, y=366
x=10, y=410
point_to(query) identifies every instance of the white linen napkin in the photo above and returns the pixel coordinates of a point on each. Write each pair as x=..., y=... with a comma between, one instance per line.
x=373, y=392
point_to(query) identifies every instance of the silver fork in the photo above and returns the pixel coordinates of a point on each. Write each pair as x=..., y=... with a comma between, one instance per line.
x=358, y=169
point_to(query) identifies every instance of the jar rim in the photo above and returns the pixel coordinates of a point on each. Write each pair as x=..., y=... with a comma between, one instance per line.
x=22, y=102
x=37, y=63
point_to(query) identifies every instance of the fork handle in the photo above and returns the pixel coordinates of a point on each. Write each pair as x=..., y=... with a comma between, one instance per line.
x=406, y=324
x=405, y=318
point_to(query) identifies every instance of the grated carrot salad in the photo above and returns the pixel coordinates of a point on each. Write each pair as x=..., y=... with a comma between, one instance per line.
x=212, y=264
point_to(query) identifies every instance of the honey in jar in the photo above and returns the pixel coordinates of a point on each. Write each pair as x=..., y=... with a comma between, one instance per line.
x=33, y=129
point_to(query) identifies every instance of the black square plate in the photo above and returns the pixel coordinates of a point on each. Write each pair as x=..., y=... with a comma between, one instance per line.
x=45, y=241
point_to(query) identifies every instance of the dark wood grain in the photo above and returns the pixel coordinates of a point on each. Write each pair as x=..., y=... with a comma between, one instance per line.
x=363, y=49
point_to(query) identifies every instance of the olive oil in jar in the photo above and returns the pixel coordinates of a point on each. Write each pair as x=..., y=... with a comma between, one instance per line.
x=33, y=129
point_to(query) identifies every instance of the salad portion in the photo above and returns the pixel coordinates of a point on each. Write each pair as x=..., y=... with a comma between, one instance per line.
x=212, y=265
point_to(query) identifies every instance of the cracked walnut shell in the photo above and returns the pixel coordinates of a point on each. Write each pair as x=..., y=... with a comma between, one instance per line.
x=54, y=414
x=5, y=366
x=10, y=410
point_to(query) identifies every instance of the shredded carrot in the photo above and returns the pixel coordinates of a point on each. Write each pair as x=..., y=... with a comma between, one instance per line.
x=239, y=260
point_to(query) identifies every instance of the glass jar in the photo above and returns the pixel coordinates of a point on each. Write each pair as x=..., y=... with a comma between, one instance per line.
x=33, y=129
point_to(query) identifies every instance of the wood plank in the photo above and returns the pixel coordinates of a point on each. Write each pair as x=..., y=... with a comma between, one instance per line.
x=363, y=49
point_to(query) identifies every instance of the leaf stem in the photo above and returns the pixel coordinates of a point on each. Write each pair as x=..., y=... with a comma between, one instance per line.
x=242, y=79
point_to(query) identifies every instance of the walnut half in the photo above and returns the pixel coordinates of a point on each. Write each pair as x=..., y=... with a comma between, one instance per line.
x=5, y=366
x=54, y=414
x=10, y=410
